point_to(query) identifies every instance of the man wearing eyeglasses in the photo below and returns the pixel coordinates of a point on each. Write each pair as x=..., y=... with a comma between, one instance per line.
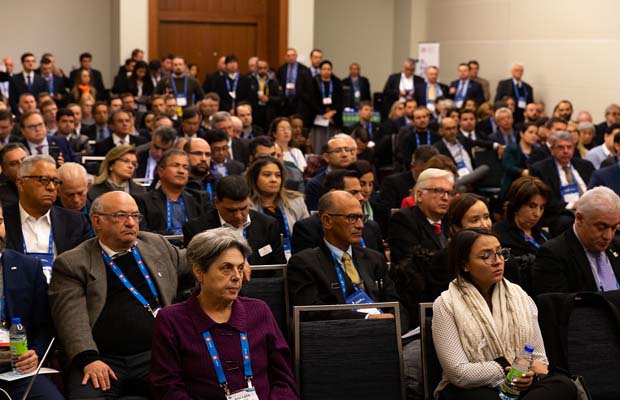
x=338, y=270
x=421, y=229
x=122, y=129
x=201, y=178
x=104, y=296
x=37, y=141
x=35, y=226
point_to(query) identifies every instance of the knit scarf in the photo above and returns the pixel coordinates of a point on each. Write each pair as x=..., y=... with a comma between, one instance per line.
x=486, y=336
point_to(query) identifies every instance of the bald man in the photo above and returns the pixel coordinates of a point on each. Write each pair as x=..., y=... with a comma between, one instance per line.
x=516, y=88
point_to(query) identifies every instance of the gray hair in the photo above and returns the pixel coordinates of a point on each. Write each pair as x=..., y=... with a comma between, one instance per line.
x=209, y=245
x=600, y=198
x=560, y=135
x=29, y=162
x=585, y=125
x=432, y=173
x=611, y=107
x=502, y=110
x=342, y=136
x=72, y=171
x=218, y=117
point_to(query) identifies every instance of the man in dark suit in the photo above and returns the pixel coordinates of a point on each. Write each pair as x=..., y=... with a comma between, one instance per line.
x=608, y=177
x=427, y=93
x=586, y=256
x=221, y=164
x=168, y=207
x=209, y=82
x=7, y=127
x=517, y=89
x=55, y=85
x=337, y=268
x=356, y=88
x=612, y=116
x=543, y=151
x=232, y=209
x=35, y=225
x=374, y=129
x=95, y=75
x=307, y=233
x=249, y=131
x=191, y=124
x=414, y=135
x=105, y=329
x=295, y=79
x=201, y=178
x=269, y=96
x=25, y=82
x=233, y=87
x=121, y=127
x=465, y=88
x=35, y=139
x=421, y=228
x=237, y=148
x=150, y=153
x=400, y=86
x=12, y=156
x=567, y=177
x=99, y=130
x=505, y=133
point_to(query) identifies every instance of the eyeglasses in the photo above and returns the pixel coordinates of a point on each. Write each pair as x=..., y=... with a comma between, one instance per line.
x=44, y=180
x=123, y=216
x=128, y=161
x=35, y=126
x=490, y=258
x=441, y=192
x=352, y=218
x=342, y=150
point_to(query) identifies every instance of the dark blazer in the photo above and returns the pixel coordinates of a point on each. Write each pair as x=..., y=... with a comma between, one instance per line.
x=263, y=231
x=308, y=233
x=409, y=228
x=70, y=228
x=131, y=85
x=241, y=151
x=608, y=176
x=562, y=265
x=18, y=86
x=152, y=205
x=482, y=140
x=349, y=91
x=391, y=91
x=244, y=91
x=506, y=88
x=539, y=153
x=406, y=143
x=547, y=171
x=316, y=99
x=97, y=81
x=233, y=167
x=510, y=236
x=98, y=189
x=59, y=87
x=142, y=154
x=107, y=144
x=374, y=130
x=314, y=190
x=297, y=104
x=395, y=188
x=209, y=82
x=474, y=91
x=8, y=191
x=443, y=149
x=514, y=162
x=59, y=142
x=420, y=92
x=498, y=137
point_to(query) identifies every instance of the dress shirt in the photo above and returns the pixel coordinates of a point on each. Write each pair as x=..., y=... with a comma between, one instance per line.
x=593, y=262
x=230, y=149
x=598, y=154
x=117, y=139
x=459, y=154
x=406, y=84
x=36, y=231
x=113, y=254
x=44, y=148
x=151, y=164
x=563, y=182
x=28, y=78
x=337, y=253
x=238, y=231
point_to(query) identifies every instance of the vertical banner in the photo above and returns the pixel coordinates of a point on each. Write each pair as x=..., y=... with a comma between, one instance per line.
x=428, y=54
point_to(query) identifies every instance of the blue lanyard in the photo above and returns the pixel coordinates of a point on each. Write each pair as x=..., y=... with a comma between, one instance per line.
x=428, y=138
x=169, y=226
x=363, y=243
x=174, y=86
x=236, y=82
x=51, y=85
x=516, y=89
x=217, y=362
x=287, y=238
x=209, y=189
x=343, y=286
x=531, y=240
x=331, y=89
x=50, y=247
x=120, y=275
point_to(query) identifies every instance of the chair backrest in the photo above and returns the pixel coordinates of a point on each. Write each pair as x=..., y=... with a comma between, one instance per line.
x=489, y=157
x=269, y=284
x=348, y=358
x=431, y=368
x=92, y=163
x=146, y=182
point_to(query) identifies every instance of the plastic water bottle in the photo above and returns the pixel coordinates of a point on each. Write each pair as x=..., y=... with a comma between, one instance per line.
x=18, y=339
x=520, y=366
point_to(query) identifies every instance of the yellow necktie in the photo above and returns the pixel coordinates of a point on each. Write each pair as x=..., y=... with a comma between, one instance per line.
x=261, y=85
x=431, y=92
x=351, y=271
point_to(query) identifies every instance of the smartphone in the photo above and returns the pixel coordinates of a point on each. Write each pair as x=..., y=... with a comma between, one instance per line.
x=54, y=152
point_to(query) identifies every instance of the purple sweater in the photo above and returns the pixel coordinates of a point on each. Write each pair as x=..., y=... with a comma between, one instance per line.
x=181, y=367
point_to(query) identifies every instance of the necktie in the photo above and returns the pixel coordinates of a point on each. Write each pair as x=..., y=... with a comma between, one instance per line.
x=431, y=92
x=437, y=227
x=122, y=141
x=351, y=271
x=261, y=85
x=40, y=148
x=569, y=175
x=101, y=134
x=606, y=276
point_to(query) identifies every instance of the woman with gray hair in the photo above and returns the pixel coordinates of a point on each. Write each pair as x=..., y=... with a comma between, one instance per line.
x=196, y=342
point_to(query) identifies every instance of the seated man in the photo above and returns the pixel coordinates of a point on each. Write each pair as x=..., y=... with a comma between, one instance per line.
x=35, y=225
x=11, y=157
x=168, y=207
x=72, y=192
x=221, y=164
x=337, y=268
x=122, y=128
x=150, y=154
x=36, y=140
x=543, y=151
x=201, y=178
x=598, y=154
x=232, y=209
x=105, y=323
x=585, y=257
x=307, y=233
x=421, y=228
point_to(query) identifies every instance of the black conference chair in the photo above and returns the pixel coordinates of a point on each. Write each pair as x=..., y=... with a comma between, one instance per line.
x=431, y=368
x=348, y=358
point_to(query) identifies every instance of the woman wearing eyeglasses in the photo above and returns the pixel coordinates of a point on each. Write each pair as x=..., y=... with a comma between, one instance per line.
x=115, y=173
x=482, y=321
x=281, y=132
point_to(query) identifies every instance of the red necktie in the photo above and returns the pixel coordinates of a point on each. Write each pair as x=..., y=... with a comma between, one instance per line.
x=437, y=227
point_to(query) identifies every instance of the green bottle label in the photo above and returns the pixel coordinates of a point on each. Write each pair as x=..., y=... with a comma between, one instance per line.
x=512, y=374
x=19, y=348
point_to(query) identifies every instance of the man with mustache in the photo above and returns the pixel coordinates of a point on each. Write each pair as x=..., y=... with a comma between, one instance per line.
x=104, y=297
x=36, y=226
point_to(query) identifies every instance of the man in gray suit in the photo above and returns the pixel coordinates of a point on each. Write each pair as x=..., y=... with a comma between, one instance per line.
x=104, y=297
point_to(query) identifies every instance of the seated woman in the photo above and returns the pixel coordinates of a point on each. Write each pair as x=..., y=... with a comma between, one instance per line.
x=281, y=132
x=266, y=177
x=482, y=321
x=520, y=230
x=516, y=155
x=215, y=321
x=115, y=173
x=82, y=85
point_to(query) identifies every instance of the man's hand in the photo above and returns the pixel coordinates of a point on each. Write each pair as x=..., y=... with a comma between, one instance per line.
x=60, y=160
x=380, y=316
x=99, y=373
x=27, y=362
x=247, y=272
x=500, y=151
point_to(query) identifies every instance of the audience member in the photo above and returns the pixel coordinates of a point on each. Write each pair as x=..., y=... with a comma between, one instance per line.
x=516, y=156
x=599, y=153
x=400, y=86
x=545, y=132
x=612, y=116
x=414, y=135
x=66, y=124
x=465, y=88
x=96, y=79
x=185, y=90
x=25, y=82
x=249, y=131
x=232, y=86
x=12, y=156
x=237, y=148
x=269, y=95
x=505, y=133
x=37, y=142
x=72, y=192
x=326, y=105
x=221, y=164
x=356, y=88
x=190, y=125
x=609, y=173
x=150, y=154
x=474, y=67
x=116, y=173
x=281, y=132
x=517, y=89
x=428, y=93
x=121, y=127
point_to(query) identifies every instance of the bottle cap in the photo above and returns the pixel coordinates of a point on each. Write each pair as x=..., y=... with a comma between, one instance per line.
x=529, y=348
x=16, y=320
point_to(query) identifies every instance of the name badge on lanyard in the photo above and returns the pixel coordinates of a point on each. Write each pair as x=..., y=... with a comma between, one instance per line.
x=570, y=192
x=176, y=230
x=461, y=167
x=286, y=240
x=290, y=85
x=47, y=259
x=232, y=92
x=327, y=99
x=358, y=296
x=181, y=97
x=521, y=97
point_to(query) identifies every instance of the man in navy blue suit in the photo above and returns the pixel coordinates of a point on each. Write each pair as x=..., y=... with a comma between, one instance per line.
x=25, y=296
x=36, y=140
x=464, y=88
x=25, y=82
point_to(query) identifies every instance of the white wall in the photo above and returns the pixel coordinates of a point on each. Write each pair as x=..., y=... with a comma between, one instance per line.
x=133, y=28
x=570, y=49
x=301, y=27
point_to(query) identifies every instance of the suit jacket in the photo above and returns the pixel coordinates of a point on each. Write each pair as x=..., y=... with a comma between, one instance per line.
x=514, y=162
x=142, y=154
x=25, y=292
x=102, y=147
x=233, y=167
x=298, y=103
x=498, y=137
x=562, y=265
x=240, y=150
x=474, y=91
x=152, y=205
x=97, y=81
x=316, y=99
x=8, y=191
x=314, y=190
x=506, y=88
x=539, y=153
x=209, y=82
x=70, y=228
x=58, y=88
x=98, y=189
x=244, y=91
x=374, y=130
x=263, y=231
x=406, y=143
x=420, y=92
x=308, y=233
x=395, y=188
x=59, y=142
x=391, y=91
x=409, y=229
x=547, y=171
x=78, y=289
x=18, y=86
x=607, y=176
x=443, y=149
x=348, y=91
